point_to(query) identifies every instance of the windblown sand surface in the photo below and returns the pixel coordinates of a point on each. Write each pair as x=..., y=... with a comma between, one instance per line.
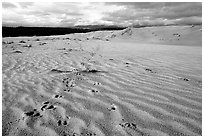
x=145, y=81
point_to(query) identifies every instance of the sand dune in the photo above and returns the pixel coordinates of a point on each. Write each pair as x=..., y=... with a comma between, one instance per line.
x=128, y=82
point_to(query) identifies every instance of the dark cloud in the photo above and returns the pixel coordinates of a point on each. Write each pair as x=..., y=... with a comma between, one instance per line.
x=8, y=5
x=117, y=13
x=157, y=12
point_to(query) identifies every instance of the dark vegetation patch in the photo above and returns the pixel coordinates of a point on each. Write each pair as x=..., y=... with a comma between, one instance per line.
x=42, y=43
x=59, y=71
x=17, y=51
x=8, y=42
x=93, y=71
x=22, y=41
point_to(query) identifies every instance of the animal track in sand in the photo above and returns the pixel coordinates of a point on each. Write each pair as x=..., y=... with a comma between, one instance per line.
x=69, y=84
x=132, y=126
x=47, y=106
x=58, y=96
x=87, y=132
x=94, y=91
x=60, y=122
x=97, y=83
x=112, y=108
x=33, y=113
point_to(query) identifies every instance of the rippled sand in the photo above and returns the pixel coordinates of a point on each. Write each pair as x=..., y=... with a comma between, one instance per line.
x=80, y=85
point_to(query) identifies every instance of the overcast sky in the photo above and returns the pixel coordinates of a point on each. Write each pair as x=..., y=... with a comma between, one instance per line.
x=65, y=14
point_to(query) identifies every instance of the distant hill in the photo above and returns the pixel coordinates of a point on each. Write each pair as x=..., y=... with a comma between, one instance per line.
x=47, y=31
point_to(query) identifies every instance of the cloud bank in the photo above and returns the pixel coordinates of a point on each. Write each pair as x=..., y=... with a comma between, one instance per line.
x=66, y=14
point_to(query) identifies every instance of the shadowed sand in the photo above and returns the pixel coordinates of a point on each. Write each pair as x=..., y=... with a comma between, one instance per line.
x=145, y=81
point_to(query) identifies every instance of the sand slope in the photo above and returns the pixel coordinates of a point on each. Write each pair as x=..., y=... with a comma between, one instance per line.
x=71, y=85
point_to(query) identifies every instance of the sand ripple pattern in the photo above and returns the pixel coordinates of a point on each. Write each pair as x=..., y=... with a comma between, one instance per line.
x=70, y=87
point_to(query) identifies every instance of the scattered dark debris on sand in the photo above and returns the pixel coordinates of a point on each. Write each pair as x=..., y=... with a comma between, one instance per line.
x=149, y=70
x=27, y=46
x=61, y=49
x=66, y=38
x=185, y=79
x=176, y=34
x=93, y=71
x=17, y=51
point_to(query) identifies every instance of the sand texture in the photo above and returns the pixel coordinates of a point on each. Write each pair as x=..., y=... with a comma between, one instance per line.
x=138, y=82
